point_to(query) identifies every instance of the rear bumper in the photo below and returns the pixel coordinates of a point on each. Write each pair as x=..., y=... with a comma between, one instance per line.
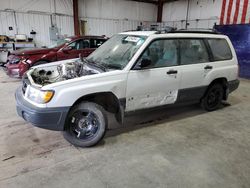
x=233, y=85
x=46, y=118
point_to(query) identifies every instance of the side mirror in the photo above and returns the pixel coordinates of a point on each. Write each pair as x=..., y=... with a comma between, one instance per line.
x=145, y=63
x=67, y=48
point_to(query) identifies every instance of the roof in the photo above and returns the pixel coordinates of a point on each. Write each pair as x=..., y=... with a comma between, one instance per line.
x=174, y=32
x=140, y=33
x=86, y=36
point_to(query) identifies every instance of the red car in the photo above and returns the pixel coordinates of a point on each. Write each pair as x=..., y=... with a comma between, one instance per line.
x=18, y=62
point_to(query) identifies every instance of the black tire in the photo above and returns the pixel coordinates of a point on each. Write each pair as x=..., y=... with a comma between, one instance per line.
x=213, y=97
x=86, y=124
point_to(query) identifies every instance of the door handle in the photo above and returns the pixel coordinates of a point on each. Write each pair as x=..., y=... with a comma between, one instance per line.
x=208, y=67
x=172, y=72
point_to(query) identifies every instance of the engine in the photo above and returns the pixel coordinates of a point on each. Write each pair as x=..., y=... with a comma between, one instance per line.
x=65, y=71
x=70, y=70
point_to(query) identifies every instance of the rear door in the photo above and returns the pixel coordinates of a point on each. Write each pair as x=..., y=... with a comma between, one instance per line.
x=195, y=66
x=85, y=49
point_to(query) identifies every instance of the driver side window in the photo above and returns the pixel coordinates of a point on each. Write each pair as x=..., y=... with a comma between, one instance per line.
x=161, y=53
x=79, y=44
x=74, y=45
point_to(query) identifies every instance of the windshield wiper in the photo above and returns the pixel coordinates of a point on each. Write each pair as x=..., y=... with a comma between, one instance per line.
x=113, y=66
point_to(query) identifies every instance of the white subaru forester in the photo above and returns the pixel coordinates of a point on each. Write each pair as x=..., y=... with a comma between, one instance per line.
x=132, y=71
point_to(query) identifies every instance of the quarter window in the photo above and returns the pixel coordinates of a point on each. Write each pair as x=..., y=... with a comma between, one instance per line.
x=220, y=49
x=162, y=53
x=193, y=51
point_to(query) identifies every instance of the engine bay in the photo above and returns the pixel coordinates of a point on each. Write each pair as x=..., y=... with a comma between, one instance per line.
x=65, y=71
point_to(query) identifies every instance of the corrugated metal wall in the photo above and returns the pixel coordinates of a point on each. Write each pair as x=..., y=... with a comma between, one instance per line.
x=25, y=22
x=108, y=27
x=202, y=13
x=103, y=17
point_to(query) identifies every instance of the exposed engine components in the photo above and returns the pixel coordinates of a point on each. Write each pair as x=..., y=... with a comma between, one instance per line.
x=70, y=70
x=64, y=71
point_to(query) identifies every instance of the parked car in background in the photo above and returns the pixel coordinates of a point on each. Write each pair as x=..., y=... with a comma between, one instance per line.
x=18, y=62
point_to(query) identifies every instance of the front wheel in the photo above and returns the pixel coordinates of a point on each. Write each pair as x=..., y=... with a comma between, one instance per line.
x=86, y=124
x=213, y=97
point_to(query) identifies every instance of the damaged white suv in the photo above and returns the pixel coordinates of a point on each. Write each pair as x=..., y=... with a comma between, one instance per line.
x=131, y=71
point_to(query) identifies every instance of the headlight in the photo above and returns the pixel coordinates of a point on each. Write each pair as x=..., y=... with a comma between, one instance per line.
x=39, y=96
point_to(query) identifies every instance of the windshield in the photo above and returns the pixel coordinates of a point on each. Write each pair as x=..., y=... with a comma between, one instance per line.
x=117, y=51
x=60, y=42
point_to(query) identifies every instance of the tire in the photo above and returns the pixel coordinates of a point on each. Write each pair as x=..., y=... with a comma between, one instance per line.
x=213, y=97
x=86, y=124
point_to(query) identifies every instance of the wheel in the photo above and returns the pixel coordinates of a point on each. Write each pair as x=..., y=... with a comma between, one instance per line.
x=213, y=97
x=86, y=124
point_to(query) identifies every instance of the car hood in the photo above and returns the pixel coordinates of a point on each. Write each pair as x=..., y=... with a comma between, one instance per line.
x=32, y=51
x=59, y=71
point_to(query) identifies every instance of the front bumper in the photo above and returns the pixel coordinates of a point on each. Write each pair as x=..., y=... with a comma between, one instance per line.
x=46, y=118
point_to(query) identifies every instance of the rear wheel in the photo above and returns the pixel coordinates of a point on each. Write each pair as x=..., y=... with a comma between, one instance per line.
x=213, y=97
x=86, y=124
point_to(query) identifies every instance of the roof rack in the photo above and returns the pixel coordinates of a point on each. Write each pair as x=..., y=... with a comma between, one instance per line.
x=166, y=29
x=196, y=30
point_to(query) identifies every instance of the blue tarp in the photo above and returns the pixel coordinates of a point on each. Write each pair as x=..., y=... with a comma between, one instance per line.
x=240, y=37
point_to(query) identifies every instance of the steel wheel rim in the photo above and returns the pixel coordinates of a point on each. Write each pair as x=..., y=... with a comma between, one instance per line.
x=213, y=98
x=84, y=124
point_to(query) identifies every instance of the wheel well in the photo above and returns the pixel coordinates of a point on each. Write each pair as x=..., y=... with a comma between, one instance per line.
x=224, y=83
x=106, y=99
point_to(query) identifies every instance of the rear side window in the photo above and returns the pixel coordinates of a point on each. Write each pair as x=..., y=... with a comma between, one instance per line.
x=220, y=49
x=193, y=51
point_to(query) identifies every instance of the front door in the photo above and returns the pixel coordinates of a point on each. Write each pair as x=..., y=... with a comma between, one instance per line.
x=157, y=84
